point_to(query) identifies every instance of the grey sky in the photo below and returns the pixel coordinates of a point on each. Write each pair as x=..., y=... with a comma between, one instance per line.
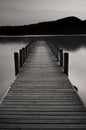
x=20, y=12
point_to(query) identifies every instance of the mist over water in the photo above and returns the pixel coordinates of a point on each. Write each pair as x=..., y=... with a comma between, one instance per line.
x=75, y=45
x=77, y=71
x=7, y=70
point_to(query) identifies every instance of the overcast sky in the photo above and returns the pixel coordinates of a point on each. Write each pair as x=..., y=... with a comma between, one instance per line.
x=22, y=12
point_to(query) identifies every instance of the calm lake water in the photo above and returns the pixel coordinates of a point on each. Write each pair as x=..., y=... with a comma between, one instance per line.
x=77, y=61
x=7, y=71
x=77, y=71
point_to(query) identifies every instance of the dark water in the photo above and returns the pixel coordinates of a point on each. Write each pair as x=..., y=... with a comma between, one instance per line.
x=75, y=45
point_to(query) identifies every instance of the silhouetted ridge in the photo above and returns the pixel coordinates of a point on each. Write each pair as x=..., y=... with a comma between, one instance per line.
x=68, y=25
x=70, y=19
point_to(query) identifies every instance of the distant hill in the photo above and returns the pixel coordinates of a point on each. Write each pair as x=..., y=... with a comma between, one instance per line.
x=68, y=25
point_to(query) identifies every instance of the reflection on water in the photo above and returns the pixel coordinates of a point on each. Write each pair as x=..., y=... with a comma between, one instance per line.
x=75, y=45
x=77, y=71
x=7, y=72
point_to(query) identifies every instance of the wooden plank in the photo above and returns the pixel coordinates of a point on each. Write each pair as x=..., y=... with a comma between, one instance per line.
x=47, y=113
x=44, y=126
x=40, y=121
x=44, y=117
x=42, y=96
x=47, y=108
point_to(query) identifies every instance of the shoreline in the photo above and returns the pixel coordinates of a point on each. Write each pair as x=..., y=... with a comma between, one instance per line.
x=42, y=35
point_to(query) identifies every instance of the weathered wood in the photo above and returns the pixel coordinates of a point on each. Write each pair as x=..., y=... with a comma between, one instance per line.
x=42, y=126
x=66, y=60
x=42, y=96
x=21, y=57
x=28, y=49
x=23, y=54
x=23, y=49
x=52, y=113
x=26, y=52
x=16, y=61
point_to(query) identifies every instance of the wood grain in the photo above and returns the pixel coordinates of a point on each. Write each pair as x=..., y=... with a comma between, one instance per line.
x=42, y=96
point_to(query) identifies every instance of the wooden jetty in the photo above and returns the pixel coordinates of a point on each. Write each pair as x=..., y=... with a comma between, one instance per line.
x=42, y=96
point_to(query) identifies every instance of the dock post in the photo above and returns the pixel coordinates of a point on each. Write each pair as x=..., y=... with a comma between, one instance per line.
x=16, y=61
x=23, y=49
x=21, y=57
x=28, y=49
x=66, y=60
x=61, y=57
x=26, y=52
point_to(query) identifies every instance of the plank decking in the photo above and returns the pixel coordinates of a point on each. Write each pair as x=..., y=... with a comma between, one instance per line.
x=42, y=97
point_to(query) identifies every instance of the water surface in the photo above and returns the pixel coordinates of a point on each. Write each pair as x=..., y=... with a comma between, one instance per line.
x=75, y=45
x=7, y=70
x=77, y=71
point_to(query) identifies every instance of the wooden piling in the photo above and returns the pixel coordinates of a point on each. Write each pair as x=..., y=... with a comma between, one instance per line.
x=26, y=52
x=41, y=99
x=19, y=60
x=16, y=63
x=23, y=49
x=21, y=57
x=28, y=49
x=61, y=57
x=66, y=60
